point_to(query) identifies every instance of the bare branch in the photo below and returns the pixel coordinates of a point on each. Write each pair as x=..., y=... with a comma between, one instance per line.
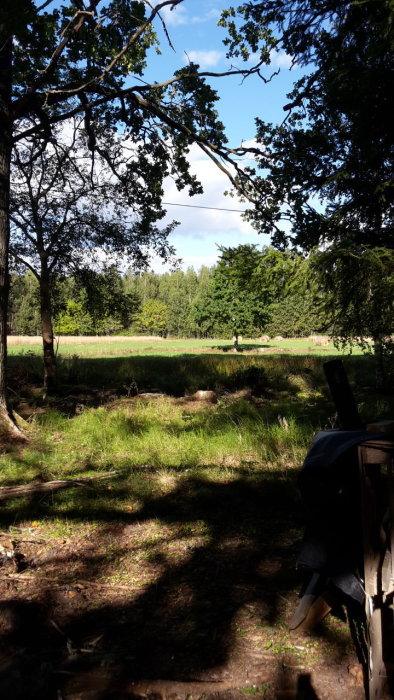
x=22, y=261
x=73, y=26
x=44, y=5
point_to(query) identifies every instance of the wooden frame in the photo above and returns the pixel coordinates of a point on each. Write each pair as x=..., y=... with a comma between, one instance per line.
x=376, y=459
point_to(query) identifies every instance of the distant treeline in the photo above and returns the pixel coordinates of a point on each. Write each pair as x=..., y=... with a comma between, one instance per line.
x=178, y=303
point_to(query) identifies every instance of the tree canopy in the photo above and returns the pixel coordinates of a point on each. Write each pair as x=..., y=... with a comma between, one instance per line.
x=325, y=174
x=68, y=212
x=238, y=295
x=327, y=169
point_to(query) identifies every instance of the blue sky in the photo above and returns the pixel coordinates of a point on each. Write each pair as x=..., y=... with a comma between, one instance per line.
x=195, y=35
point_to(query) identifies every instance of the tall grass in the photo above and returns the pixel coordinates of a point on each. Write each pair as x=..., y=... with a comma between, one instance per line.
x=269, y=430
x=184, y=374
x=172, y=374
x=160, y=434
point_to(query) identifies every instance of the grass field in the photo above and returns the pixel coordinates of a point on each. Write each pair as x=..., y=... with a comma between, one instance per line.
x=93, y=346
x=188, y=549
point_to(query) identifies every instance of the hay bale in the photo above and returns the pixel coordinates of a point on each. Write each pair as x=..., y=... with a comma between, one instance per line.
x=320, y=340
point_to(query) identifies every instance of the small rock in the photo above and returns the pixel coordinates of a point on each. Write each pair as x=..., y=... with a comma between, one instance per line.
x=202, y=395
x=356, y=671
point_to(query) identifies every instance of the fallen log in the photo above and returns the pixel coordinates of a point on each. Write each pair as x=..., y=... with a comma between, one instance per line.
x=7, y=492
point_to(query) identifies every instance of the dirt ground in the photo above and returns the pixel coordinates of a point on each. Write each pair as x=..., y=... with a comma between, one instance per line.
x=186, y=599
x=204, y=627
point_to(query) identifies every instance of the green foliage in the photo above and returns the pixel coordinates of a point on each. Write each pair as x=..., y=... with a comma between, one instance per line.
x=357, y=291
x=178, y=290
x=232, y=297
x=327, y=169
x=74, y=320
x=284, y=281
x=153, y=317
x=294, y=316
x=24, y=307
x=89, y=143
x=109, y=305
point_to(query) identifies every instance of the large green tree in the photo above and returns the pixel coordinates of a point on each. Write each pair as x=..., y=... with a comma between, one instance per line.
x=356, y=299
x=110, y=306
x=23, y=310
x=153, y=317
x=233, y=298
x=67, y=213
x=327, y=169
x=87, y=57
x=178, y=289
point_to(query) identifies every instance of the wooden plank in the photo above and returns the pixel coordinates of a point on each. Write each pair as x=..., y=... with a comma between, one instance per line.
x=377, y=502
x=381, y=426
x=371, y=563
x=342, y=395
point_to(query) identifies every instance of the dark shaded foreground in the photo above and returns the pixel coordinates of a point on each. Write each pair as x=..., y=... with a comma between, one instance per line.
x=199, y=630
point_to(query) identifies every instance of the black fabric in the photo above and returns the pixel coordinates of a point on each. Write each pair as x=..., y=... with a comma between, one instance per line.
x=329, y=445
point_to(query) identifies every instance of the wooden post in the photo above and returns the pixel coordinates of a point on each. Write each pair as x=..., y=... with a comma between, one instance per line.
x=342, y=395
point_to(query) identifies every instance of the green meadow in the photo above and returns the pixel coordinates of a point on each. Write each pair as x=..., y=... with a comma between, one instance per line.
x=197, y=521
x=91, y=346
x=126, y=404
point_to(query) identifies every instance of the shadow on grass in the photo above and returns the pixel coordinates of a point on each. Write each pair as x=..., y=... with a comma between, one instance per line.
x=90, y=382
x=176, y=375
x=295, y=384
x=188, y=618
x=242, y=347
x=231, y=574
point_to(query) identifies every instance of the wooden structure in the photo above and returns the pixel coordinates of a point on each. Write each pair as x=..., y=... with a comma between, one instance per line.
x=375, y=541
x=376, y=463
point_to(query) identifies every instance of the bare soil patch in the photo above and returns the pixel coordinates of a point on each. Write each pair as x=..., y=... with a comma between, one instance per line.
x=191, y=605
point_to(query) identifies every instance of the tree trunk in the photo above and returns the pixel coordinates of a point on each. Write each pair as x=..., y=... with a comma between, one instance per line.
x=235, y=341
x=47, y=329
x=6, y=419
x=379, y=363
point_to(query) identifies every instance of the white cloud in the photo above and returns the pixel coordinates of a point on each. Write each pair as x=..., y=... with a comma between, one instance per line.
x=279, y=59
x=196, y=261
x=200, y=232
x=250, y=143
x=179, y=16
x=175, y=17
x=205, y=59
x=197, y=223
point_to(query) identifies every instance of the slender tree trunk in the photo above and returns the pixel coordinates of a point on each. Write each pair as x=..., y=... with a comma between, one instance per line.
x=47, y=329
x=6, y=420
x=235, y=341
x=379, y=363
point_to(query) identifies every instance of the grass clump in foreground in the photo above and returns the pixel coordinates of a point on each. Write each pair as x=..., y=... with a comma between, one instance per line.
x=188, y=550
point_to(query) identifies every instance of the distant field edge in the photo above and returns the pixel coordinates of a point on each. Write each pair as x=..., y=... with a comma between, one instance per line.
x=72, y=339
